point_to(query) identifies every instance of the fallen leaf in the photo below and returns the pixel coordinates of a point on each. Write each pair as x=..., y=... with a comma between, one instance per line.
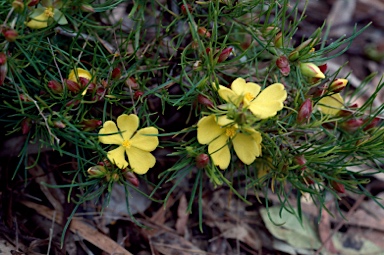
x=182, y=216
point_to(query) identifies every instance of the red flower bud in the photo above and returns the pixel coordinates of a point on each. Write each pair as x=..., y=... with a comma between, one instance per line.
x=352, y=125
x=59, y=124
x=202, y=31
x=55, y=86
x=329, y=125
x=24, y=98
x=202, y=160
x=90, y=125
x=207, y=50
x=323, y=67
x=371, y=123
x=10, y=35
x=283, y=64
x=184, y=8
x=131, y=177
x=72, y=86
x=138, y=94
x=337, y=85
x=224, y=54
x=116, y=73
x=300, y=160
x=131, y=82
x=305, y=111
x=25, y=126
x=205, y=101
x=97, y=171
x=33, y=2
x=339, y=187
x=3, y=58
x=72, y=103
x=83, y=82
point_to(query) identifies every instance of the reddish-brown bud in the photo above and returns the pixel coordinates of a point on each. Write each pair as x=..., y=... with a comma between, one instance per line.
x=202, y=31
x=33, y=2
x=337, y=85
x=131, y=82
x=352, y=125
x=329, y=125
x=305, y=111
x=55, y=86
x=97, y=171
x=24, y=98
x=10, y=35
x=323, y=67
x=371, y=123
x=202, y=160
x=58, y=124
x=184, y=8
x=90, y=125
x=283, y=64
x=116, y=73
x=72, y=103
x=131, y=177
x=105, y=163
x=3, y=58
x=301, y=161
x=204, y=101
x=83, y=82
x=72, y=86
x=25, y=126
x=138, y=94
x=339, y=187
x=224, y=54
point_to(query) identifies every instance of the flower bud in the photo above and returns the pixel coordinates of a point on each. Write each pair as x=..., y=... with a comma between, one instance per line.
x=337, y=85
x=18, y=6
x=25, y=126
x=10, y=35
x=283, y=64
x=72, y=86
x=352, y=125
x=278, y=40
x=58, y=124
x=294, y=55
x=339, y=187
x=371, y=123
x=90, y=125
x=87, y=8
x=305, y=111
x=202, y=160
x=116, y=73
x=72, y=103
x=205, y=101
x=33, y=2
x=224, y=54
x=3, y=72
x=301, y=161
x=131, y=177
x=138, y=94
x=323, y=67
x=311, y=70
x=105, y=163
x=3, y=58
x=202, y=31
x=184, y=8
x=97, y=171
x=131, y=82
x=55, y=86
x=24, y=98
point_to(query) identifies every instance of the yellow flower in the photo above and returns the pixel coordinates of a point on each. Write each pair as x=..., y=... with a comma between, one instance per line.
x=80, y=73
x=262, y=104
x=41, y=15
x=247, y=144
x=137, y=145
x=331, y=105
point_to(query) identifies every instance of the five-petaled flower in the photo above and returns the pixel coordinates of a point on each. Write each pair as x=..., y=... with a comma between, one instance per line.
x=246, y=142
x=43, y=13
x=331, y=105
x=262, y=104
x=136, y=144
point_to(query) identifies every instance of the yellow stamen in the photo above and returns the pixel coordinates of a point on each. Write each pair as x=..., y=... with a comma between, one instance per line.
x=248, y=96
x=49, y=12
x=126, y=144
x=230, y=131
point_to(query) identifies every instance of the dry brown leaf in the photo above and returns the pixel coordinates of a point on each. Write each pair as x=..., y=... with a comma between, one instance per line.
x=325, y=232
x=241, y=232
x=182, y=216
x=170, y=243
x=82, y=229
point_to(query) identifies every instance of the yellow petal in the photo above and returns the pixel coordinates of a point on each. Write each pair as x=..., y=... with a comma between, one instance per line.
x=269, y=101
x=247, y=148
x=109, y=127
x=330, y=104
x=145, y=139
x=219, y=152
x=248, y=90
x=80, y=73
x=207, y=129
x=38, y=22
x=229, y=95
x=224, y=121
x=127, y=124
x=140, y=160
x=117, y=157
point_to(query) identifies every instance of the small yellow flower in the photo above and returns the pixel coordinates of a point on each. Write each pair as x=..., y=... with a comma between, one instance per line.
x=247, y=144
x=136, y=144
x=41, y=15
x=262, y=104
x=81, y=73
x=331, y=105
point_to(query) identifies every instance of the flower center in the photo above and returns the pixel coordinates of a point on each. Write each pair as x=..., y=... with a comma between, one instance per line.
x=248, y=96
x=48, y=12
x=126, y=144
x=230, y=131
